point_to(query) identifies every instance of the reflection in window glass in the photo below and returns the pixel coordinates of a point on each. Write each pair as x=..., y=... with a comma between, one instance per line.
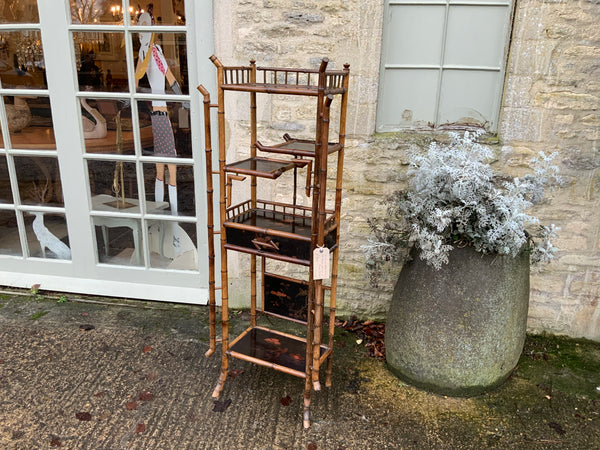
x=9, y=234
x=22, y=60
x=5, y=190
x=113, y=186
x=19, y=11
x=119, y=241
x=29, y=122
x=39, y=180
x=100, y=59
x=47, y=235
x=178, y=191
x=172, y=245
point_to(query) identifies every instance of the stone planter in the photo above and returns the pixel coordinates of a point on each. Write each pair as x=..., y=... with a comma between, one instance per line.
x=459, y=330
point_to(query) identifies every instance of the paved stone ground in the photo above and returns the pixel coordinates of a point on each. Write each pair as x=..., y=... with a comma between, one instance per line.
x=132, y=375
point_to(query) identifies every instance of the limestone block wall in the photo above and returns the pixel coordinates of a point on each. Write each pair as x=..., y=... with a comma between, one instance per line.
x=550, y=103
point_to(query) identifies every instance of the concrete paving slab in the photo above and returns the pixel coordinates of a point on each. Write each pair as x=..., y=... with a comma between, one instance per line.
x=117, y=374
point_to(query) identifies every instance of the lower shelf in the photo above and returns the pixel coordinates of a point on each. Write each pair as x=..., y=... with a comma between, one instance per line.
x=273, y=349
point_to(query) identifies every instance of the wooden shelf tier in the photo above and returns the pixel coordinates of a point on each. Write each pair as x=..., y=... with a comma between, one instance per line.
x=263, y=167
x=270, y=348
x=297, y=147
x=276, y=230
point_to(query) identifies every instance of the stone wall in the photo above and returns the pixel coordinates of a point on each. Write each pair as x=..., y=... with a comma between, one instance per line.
x=550, y=104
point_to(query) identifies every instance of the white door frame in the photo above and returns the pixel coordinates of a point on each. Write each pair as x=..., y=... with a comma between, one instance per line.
x=83, y=274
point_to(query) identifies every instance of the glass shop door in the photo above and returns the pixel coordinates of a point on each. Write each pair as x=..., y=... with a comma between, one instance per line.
x=102, y=186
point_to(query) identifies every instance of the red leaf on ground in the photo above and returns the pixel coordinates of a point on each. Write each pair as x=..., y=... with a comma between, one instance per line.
x=99, y=394
x=146, y=349
x=285, y=401
x=234, y=373
x=1, y=361
x=131, y=405
x=312, y=446
x=146, y=396
x=55, y=442
x=140, y=428
x=221, y=406
x=84, y=416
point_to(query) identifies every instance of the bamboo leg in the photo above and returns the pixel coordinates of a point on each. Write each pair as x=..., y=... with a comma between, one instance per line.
x=222, y=212
x=212, y=316
x=321, y=172
x=338, y=207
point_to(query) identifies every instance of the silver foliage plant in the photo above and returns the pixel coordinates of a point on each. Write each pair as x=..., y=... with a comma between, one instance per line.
x=455, y=199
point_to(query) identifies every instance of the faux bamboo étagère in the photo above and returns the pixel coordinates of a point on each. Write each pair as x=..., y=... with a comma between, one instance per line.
x=284, y=230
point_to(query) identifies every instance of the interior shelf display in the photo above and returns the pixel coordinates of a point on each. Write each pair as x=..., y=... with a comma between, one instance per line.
x=289, y=231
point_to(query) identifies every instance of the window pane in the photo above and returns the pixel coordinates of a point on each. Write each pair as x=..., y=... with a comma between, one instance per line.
x=414, y=35
x=473, y=36
x=172, y=245
x=107, y=127
x=401, y=106
x=5, y=189
x=29, y=122
x=178, y=194
x=113, y=186
x=161, y=12
x=101, y=64
x=469, y=97
x=47, y=235
x=169, y=133
x=170, y=56
x=119, y=240
x=22, y=60
x=9, y=234
x=19, y=11
x=39, y=180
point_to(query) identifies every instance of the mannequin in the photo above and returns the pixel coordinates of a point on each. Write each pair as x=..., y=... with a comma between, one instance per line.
x=151, y=62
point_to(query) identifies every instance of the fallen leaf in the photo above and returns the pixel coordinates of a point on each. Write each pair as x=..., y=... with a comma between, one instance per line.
x=84, y=416
x=140, y=428
x=146, y=396
x=84, y=314
x=99, y=394
x=131, y=405
x=556, y=427
x=312, y=446
x=221, y=406
x=55, y=442
x=1, y=361
x=285, y=401
x=86, y=327
x=234, y=373
x=146, y=349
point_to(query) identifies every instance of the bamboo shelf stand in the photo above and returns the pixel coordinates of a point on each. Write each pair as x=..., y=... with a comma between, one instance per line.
x=283, y=231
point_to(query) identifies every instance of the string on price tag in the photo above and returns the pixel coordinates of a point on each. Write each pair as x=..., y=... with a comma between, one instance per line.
x=321, y=263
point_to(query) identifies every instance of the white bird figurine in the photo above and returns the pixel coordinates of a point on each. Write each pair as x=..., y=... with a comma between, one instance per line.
x=93, y=130
x=48, y=240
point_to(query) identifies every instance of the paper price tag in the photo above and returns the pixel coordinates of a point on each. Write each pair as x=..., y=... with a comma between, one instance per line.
x=321, y=263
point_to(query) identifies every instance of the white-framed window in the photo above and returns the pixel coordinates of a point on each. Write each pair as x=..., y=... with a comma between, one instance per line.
x=101, y=174
x=443, y=63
